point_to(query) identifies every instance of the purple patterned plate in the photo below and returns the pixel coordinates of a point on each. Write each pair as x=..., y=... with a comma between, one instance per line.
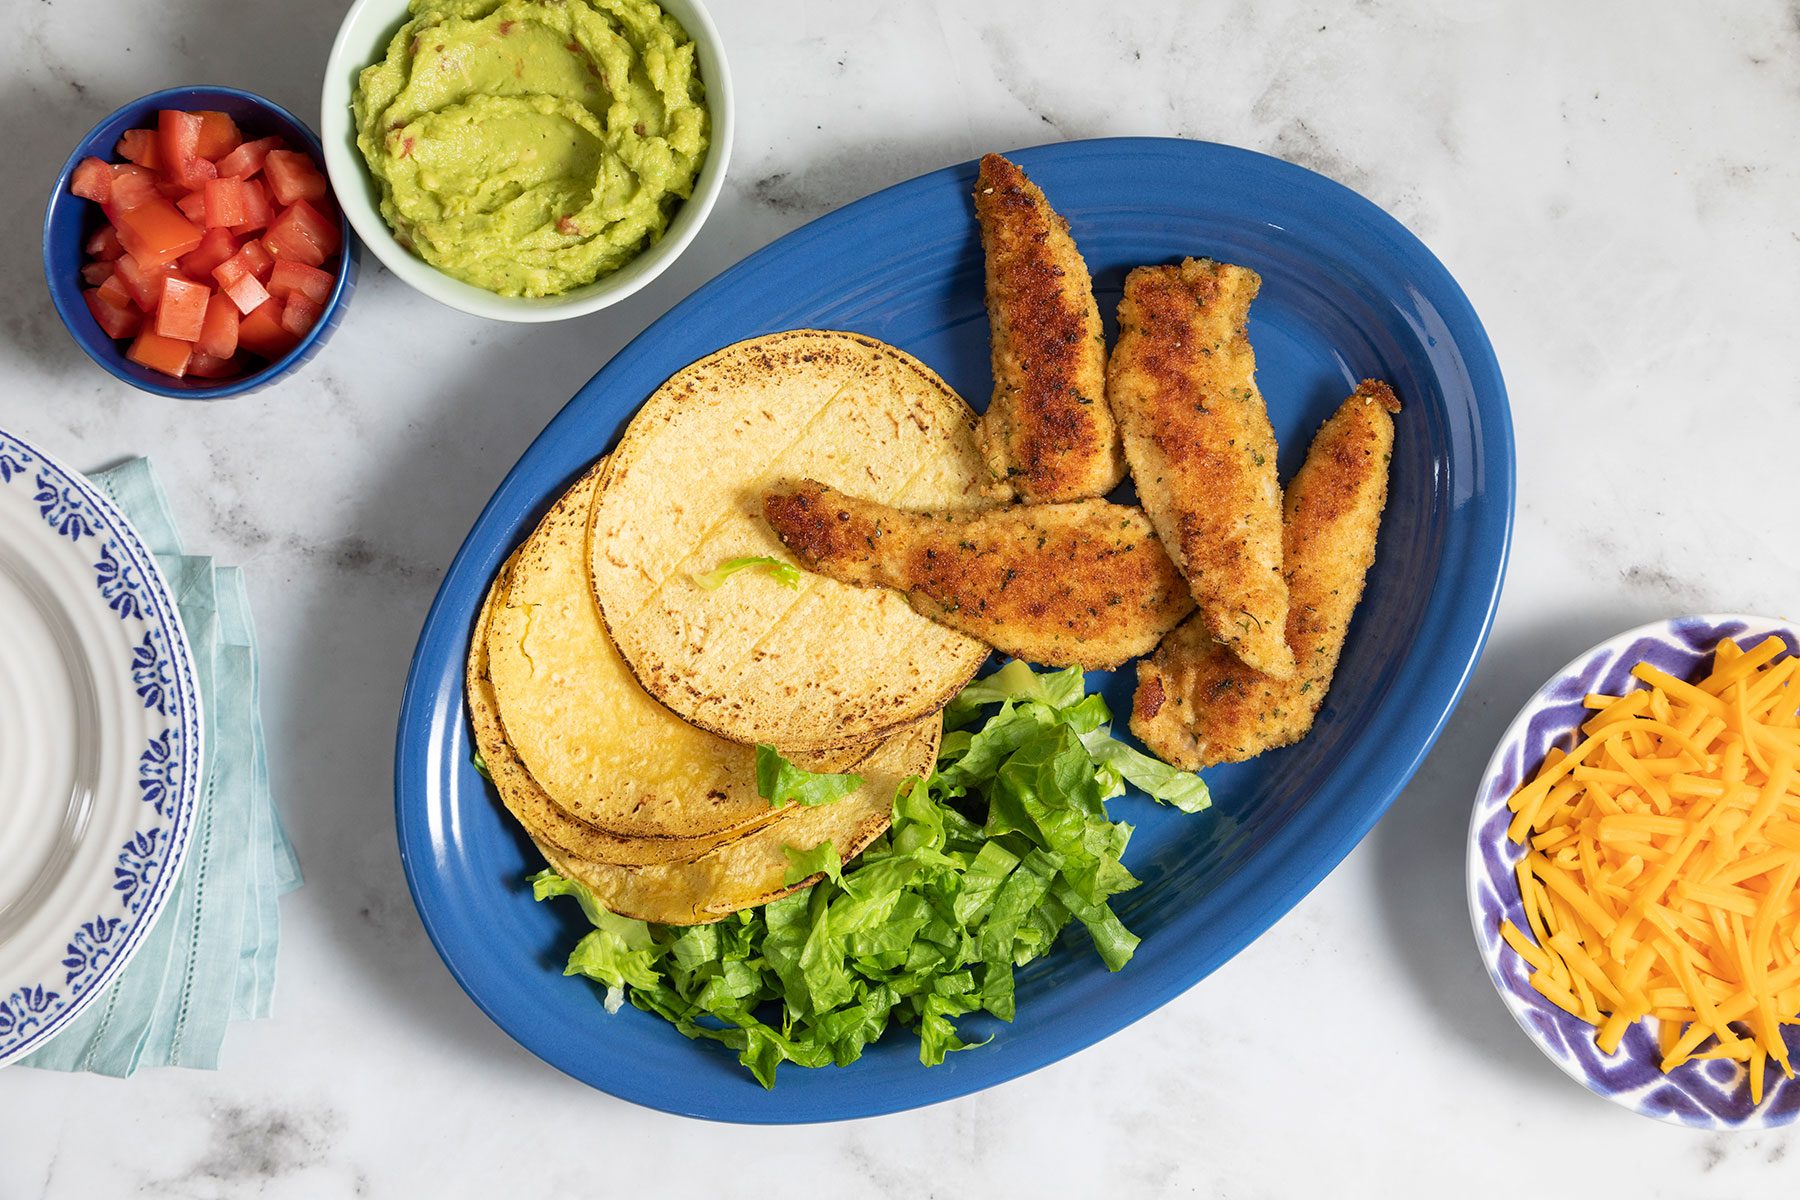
x=1701, y=1093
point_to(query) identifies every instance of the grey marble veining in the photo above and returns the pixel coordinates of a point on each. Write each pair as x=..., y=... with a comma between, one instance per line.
x=1617, y=187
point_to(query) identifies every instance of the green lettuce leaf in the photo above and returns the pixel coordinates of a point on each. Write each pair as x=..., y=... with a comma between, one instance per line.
x=822, y=858
x=984, y=866
x=1014, y=682
x=619, y=952
x=787, y=574
x=780, y=782
x=784, y=573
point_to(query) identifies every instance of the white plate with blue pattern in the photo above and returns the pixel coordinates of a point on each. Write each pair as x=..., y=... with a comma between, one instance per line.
x=100, y=744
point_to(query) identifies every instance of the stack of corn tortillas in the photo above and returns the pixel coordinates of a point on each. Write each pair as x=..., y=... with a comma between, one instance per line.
x=617, y=702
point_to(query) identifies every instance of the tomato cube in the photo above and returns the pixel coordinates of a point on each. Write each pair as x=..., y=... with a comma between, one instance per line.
x=115, y=293
x=248, y=158
x=132, y=187
x=139, y=146
x=219, y=135
x=193, y=207
x=225, y=203
x=142, y=281
x=290, y=278
x=299, y=315
x=303, y=234
x=178, y=149
x=156, y=231
x=117, y=320
x=91, y=180
x=181, y=313
x=209, y=366
x=103, y=244
x=159, y=353
x=252, y=258
x=96, y=273
x=237, y=280
x=261, y=331
x=178, y=146
x=217, y=246
x=219, y=333
x=292, y=176
x=257, y=209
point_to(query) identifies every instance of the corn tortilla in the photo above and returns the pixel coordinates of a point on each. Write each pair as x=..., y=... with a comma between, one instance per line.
x=754, y=661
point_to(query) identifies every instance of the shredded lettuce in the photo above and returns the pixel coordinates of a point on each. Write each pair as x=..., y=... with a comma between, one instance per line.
x=985, y=865
x=822, y=859
x=481, y=767
x=780, y=782
x=784, y=573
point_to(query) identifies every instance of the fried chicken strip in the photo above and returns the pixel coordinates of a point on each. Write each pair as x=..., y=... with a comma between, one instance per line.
x=1084, y=583
x=1047, y=430
x=1182, y=384
x=1197, y=704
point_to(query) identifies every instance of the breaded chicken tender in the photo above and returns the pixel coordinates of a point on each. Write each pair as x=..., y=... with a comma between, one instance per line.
x=1078, y=584
x=1197, y=704
x=1182, y=384
x=1047, y=431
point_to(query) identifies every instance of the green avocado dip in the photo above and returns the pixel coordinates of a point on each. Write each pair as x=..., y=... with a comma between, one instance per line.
x=531, y=146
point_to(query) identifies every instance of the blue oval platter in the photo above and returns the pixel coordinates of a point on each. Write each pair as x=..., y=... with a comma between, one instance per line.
x=1347, y=293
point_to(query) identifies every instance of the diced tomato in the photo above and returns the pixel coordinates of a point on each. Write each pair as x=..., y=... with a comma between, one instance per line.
x=178, y=148
x=248, y=158
x=252, y=258
x=217, y=246
x=117, y=320
x=219, y=135
x=155, y=231
x=209, y=366
x=219, y=333
x=225, y=203
x=181, y=313
x=115, y=293
x=290, y=277
x=261, y=262
x=257, y=208
x=237, y=279
x=193, y=206
x=104, y=244
x=299, y=315
x=261, y=331
x=132, y=187
x=139, y=146
x=302, y=234
x=92, y=180
x=292, y=176
x=143, y=282
x=160, y=353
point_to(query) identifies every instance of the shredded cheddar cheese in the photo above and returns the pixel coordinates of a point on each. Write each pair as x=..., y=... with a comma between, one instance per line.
x=1662, y=855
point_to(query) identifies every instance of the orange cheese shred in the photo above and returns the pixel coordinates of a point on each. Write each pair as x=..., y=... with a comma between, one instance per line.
x=1661, y=872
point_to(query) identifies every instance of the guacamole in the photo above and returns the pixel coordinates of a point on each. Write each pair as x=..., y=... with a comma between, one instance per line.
x=532, y=146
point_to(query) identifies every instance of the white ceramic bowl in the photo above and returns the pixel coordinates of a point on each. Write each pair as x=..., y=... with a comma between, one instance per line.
x=1700, y=1093
x=363, y=38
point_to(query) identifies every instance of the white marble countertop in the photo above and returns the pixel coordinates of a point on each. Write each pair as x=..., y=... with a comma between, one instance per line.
x=1617, y=187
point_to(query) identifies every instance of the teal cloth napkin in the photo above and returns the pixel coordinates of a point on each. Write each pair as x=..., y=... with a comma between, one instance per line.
x=210, y=960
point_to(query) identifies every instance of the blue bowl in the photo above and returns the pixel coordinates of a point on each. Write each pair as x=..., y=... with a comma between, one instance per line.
x=69, y=220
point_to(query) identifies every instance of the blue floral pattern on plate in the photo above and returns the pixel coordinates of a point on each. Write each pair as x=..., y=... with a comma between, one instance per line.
x=159, y=773
x=155, y=659
x=118, y=583
x=1703, y=1094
